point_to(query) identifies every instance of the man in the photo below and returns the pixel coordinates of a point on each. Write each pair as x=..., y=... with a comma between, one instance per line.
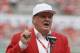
x=34, y=41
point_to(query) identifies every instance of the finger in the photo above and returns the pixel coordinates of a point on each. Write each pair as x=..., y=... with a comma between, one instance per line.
x=27, y=32
x=26, y=36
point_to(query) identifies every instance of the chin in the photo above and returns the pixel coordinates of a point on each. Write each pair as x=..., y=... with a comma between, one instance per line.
x=46, y=29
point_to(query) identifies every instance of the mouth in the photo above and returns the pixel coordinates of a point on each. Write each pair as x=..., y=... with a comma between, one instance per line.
x=46, y=24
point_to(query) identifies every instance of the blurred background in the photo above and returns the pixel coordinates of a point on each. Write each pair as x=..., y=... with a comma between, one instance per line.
x=16, y=15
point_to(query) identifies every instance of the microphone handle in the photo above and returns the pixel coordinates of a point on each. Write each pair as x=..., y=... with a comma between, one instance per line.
x=52, y=41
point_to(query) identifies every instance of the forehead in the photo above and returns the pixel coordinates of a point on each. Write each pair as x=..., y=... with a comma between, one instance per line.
x=45, y=13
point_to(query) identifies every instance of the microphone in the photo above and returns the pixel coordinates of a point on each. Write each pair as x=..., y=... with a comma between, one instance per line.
x=51, y=39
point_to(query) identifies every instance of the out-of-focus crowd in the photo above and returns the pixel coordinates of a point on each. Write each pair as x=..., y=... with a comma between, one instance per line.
x=62, y=6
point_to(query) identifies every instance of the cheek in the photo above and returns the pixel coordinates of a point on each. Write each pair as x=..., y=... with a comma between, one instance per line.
x=51, y=21
x=38, y=22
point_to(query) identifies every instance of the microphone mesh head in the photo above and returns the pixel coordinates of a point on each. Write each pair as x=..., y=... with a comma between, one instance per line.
x=51, y=39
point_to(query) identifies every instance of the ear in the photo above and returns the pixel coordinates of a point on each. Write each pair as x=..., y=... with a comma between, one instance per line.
x=33, y=20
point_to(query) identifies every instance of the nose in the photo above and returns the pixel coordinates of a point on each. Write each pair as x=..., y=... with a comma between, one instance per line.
x=47, y=18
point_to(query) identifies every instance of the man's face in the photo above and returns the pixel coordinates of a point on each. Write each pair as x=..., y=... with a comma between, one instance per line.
x=43, y=21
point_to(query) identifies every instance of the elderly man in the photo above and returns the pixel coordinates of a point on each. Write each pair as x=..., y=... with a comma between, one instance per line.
x=40, y=39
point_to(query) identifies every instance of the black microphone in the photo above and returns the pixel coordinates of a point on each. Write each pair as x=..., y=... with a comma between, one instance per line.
x=51, y=39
